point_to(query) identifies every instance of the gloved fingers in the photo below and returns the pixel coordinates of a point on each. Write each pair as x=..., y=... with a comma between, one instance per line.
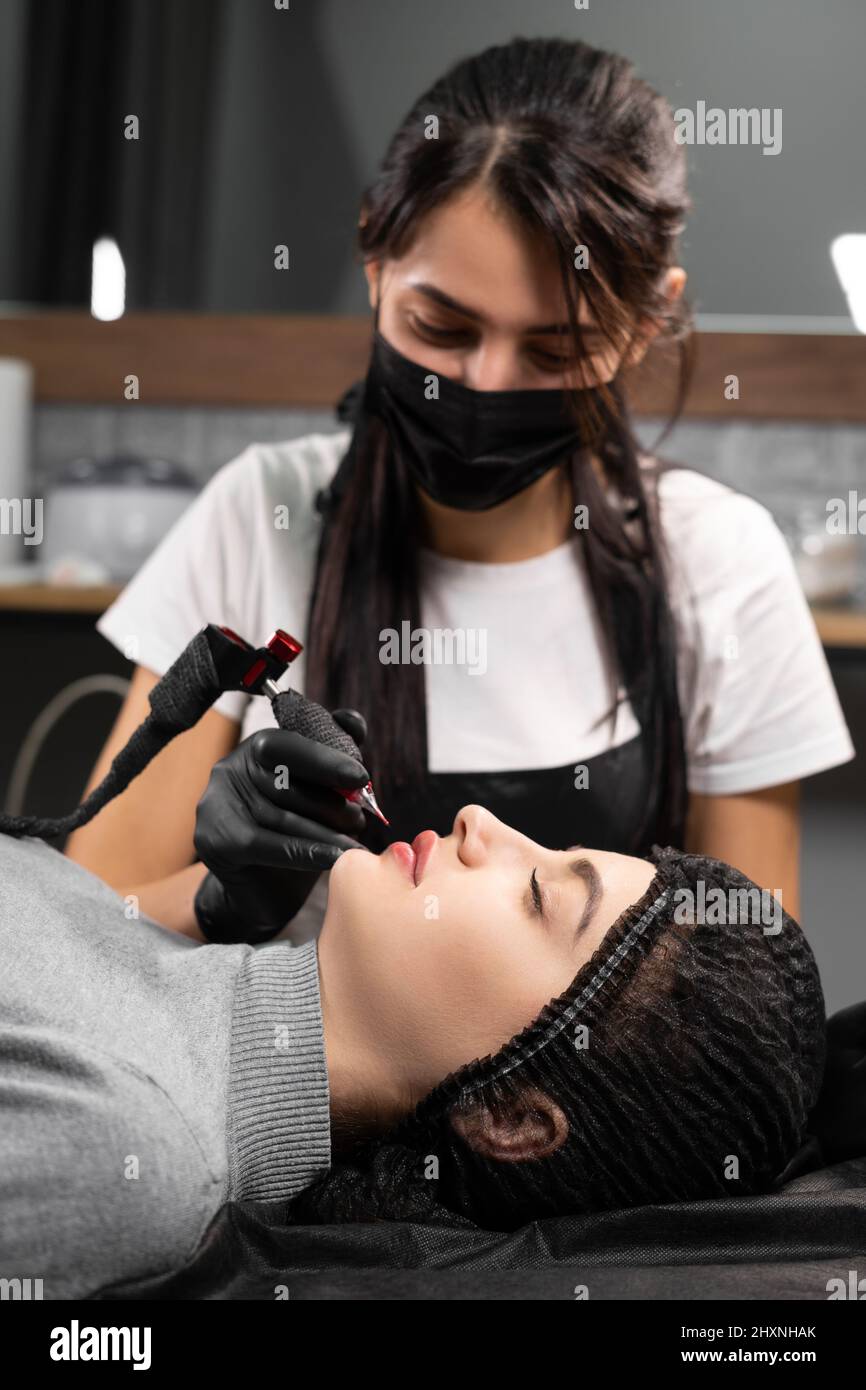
x=307, y=846
x=230, y=835
x=288, y=793
x=353, y=721
x=308, y=856
x=290, y=825
x=306, y=759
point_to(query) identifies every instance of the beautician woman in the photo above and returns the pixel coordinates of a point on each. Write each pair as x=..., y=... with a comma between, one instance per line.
x=644, y=665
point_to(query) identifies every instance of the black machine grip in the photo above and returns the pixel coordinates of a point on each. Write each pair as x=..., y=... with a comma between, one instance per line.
x=295, y=712
x=215, y=660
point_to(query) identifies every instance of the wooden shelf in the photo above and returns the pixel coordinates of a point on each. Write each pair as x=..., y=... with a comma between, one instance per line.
x=58, y=598
x=308, y=360
x=841, y=627
x=837, y=627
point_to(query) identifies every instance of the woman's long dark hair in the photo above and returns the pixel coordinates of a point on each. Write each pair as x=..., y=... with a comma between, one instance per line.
x=567, y=140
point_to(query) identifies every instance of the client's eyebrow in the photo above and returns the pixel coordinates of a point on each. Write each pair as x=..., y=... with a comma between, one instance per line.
x=586, y=870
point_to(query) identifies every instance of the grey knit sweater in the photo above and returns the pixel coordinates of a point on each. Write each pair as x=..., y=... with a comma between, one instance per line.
x=144, y=1080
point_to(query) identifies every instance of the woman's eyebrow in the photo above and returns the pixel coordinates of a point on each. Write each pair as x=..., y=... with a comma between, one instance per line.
x=440, y=297
x=585, y=869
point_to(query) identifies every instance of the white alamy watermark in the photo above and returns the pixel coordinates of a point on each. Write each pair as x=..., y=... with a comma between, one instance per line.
x=712, y=125
x=20, y=1290
x=77, y=1343
x=434, y=646
x=22, y=516
x=740, y=906
x=854, y=1287
x=846, y=517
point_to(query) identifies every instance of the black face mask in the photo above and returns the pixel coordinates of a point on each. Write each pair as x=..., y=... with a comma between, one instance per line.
x=467, y=449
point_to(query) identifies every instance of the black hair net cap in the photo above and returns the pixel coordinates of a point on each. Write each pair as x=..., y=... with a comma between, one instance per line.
x=686, y=1057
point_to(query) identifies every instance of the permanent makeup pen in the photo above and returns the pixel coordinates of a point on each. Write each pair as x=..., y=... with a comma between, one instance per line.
x=257, y=671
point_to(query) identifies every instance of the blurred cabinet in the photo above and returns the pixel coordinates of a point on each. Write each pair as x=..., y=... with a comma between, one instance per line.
x=42, y=653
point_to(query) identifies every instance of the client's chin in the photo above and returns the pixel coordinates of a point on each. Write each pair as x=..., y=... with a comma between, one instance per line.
x=353, y=868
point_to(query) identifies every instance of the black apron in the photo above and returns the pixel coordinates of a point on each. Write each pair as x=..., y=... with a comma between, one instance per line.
x=542, y=803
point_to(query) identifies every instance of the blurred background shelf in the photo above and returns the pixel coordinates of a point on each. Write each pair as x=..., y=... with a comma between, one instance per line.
x=840, y=627
x=837, y=626
x=58, y=598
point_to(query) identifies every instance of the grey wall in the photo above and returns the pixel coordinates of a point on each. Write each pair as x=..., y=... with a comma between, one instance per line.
x=309, y=98
x=761, y=227
x=283, y=167
x=11, y=35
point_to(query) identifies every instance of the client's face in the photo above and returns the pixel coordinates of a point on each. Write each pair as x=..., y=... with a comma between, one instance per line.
x=433, y=957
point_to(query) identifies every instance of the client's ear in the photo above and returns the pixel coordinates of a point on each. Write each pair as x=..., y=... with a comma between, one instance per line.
x=529, y=1126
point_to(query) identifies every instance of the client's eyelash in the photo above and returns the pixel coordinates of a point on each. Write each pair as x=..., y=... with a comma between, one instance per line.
x=536, y=892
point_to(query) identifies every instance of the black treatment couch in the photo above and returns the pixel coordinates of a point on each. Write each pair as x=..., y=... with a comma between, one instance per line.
x=783, y=1245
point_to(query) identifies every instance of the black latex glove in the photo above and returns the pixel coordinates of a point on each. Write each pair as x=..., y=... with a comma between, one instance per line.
x=266, y=844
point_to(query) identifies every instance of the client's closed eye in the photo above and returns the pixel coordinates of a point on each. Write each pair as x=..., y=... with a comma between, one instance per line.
x=544, y=900
x=540, y=898
x=537, y=896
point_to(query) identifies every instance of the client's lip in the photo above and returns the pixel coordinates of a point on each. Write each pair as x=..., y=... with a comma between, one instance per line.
x=404, y=855
x=423, y=846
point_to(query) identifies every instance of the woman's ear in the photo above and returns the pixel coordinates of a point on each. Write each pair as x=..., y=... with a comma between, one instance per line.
x=675, y=283
x=371, y=271
x=528, y=1126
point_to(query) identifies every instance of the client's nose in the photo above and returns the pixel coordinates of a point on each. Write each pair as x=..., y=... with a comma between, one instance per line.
x=478, y=833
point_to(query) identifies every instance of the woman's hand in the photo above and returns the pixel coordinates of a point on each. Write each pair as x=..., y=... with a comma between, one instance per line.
x=269, y=822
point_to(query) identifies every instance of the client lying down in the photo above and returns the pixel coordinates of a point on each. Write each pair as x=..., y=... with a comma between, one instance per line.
x=146, y=1080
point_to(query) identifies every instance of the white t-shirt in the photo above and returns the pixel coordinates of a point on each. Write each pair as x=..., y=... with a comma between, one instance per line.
x=758, y=701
